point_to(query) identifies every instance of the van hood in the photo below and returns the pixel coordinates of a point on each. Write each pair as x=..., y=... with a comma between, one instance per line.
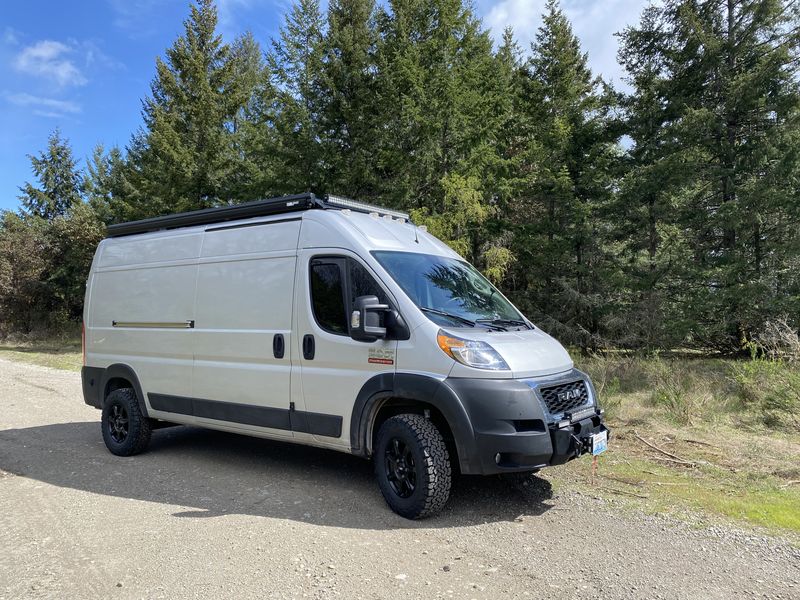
x=529, y=353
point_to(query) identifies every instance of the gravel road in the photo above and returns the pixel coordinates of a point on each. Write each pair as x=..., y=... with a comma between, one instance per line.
x=207, y=514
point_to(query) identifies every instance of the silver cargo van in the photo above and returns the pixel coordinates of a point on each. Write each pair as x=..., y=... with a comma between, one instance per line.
x=330, y=323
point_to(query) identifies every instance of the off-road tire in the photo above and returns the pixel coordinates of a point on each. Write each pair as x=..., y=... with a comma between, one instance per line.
x=138, y=426
x=433, y=473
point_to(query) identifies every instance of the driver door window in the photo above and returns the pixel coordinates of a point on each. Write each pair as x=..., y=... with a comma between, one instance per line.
x=330, y=288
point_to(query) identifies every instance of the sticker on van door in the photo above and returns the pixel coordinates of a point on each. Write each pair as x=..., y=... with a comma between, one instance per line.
x=381, y=356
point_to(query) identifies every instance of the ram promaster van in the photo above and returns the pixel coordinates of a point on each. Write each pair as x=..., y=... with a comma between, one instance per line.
x=330, y=323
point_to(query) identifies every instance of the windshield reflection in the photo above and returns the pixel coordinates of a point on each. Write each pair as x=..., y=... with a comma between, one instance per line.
x=454, y=291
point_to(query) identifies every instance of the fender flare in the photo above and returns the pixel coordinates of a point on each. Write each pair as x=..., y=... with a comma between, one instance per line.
x=414, y=387
x=123, y=371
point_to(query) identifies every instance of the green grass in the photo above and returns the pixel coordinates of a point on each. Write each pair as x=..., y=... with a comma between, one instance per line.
x=745, y=497
x=64, y=355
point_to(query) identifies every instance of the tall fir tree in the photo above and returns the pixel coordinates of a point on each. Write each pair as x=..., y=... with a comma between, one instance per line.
x=570, y=166
x=350, y=116
x=436, y=88
x=184, y=157
x=295, y=63
x=59, y=181
x=730, y=99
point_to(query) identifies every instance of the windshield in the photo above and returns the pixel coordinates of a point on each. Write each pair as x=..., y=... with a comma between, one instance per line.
x=449, y=291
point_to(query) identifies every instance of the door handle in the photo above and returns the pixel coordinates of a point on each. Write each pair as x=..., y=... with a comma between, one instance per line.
x=308, y=346
x=278, y=346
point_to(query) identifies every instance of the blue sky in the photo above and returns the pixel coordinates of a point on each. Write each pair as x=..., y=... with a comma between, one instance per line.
x=85, y=66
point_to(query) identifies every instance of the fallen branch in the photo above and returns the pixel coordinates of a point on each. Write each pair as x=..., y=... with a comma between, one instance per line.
x=685, y=463
x=700, y=443
x=668, y=483
x=789, y=483
x=623, y=492
x=626, y=482
x=664, y=452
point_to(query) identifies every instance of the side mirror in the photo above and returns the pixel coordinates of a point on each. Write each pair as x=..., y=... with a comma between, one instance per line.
x=365, y=320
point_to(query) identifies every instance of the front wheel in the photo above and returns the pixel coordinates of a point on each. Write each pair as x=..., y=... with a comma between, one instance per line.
x=412, y=466
x=126, y=431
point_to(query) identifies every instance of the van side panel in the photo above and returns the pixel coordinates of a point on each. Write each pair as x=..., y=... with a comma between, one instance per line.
x=244, y=299
x=139, y=283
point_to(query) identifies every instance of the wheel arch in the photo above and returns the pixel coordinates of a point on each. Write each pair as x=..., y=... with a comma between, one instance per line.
x=115, y=377
x=388, y=394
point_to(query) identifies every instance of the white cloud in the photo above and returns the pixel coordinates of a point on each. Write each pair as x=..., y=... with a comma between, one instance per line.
x=234, y=17
x=135, y=16
x=10, y=36
x=595, y=24
x=524, y=16
x=50, y=59
x=46, y=107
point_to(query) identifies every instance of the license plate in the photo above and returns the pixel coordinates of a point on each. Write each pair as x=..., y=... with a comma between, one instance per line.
x=599, y=443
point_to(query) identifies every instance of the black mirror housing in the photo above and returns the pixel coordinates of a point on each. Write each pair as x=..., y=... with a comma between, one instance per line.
x=365, y=320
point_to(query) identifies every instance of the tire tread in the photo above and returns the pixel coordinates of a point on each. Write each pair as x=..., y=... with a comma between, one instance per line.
x=139, y=425
x=437, y=466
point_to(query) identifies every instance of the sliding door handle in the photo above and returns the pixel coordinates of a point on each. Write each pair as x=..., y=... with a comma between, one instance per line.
x=278, y=346
x=308, y=346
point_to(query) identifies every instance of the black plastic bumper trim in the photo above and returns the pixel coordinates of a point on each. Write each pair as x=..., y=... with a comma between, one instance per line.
x=248, y=414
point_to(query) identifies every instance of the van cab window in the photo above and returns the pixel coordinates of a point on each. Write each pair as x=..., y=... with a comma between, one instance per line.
x=364, y=284
x=327, y=295
x=328, y=285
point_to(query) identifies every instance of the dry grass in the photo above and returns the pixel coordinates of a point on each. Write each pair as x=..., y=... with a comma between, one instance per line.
x=706, y=434
x=57, y=354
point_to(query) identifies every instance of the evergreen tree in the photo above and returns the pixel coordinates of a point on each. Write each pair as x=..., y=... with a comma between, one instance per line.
x=185, y=158
x=730, y=101
x=59, y=181
x=295, y=65
x=437, y=78
x=571, y=161
x=104, y=185
x=350, y=115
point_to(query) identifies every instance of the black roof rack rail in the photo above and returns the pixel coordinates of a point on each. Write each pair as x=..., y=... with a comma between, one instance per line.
x=257, y=208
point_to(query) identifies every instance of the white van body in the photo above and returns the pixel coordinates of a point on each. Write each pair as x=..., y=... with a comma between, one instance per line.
x=194, y=318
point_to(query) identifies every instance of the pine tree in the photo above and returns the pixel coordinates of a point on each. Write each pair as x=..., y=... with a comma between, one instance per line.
x=437, y=77
x=59, y=181
x=730, y=100
x=350, y=117
x=572, y=162
x=295, y=68
x=104, y=184
x=184, y=158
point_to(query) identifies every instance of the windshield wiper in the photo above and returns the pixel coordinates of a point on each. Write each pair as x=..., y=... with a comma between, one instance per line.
x=509, y=322
x=464, y=320
x=442, y=313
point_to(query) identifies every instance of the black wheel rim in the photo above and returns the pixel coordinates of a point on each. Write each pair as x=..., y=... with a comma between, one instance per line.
x=118, y=423
x=401, y=470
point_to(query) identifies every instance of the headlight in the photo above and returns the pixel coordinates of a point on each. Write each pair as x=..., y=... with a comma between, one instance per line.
x=479, y=355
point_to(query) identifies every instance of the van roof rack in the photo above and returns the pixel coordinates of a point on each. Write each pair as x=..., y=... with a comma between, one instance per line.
x=247, y=210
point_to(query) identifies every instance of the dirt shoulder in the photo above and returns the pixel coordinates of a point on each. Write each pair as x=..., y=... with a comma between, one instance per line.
x=205, y=513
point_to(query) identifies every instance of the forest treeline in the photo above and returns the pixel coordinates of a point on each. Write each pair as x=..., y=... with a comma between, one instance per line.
x=663, y=215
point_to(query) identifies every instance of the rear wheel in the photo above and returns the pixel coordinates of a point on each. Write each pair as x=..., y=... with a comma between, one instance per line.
x=412, y=466
x=126, y=431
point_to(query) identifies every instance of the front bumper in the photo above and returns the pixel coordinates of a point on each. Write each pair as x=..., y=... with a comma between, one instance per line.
x=512, y=430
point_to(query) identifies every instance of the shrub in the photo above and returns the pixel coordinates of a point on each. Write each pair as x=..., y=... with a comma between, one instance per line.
x=770, y=387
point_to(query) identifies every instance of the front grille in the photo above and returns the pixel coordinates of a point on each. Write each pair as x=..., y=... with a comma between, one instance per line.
x=565, y=397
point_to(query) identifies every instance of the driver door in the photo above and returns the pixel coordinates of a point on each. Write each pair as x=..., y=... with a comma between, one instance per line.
x=333, y=367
